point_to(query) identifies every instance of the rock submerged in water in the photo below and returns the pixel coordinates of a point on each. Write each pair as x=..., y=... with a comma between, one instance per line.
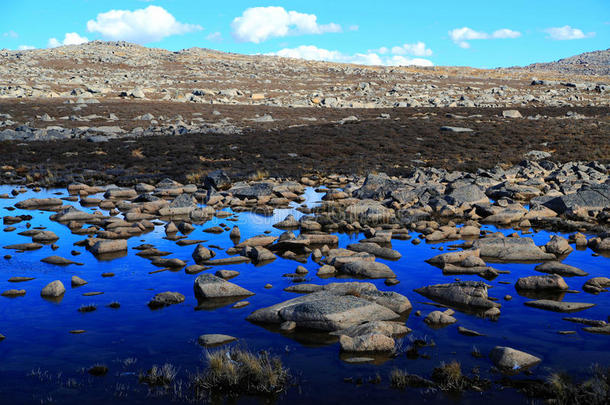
x=597, y=285
x=440, y=319
x=334, y=307
x=373, y=342
x=559, y=306
x=511, y=360
x=165, y=299
x=210, y=286
x=214, y=340
x=53, y=290
x=550, y=282
x=465, y=294
x=511, y=249
x=561, y=269
x=60, y=261
x=367, y=269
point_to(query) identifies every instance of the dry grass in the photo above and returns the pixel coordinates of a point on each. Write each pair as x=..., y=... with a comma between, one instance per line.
x=196, y=177
x=137, y=154
x=157, y=376
x=594, y=391
x=239, y=371
x=259, y=175
x=400, y=379
x=449, y=377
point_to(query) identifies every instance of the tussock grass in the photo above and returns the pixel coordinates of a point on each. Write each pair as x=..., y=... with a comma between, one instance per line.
x=594, y=391
x=159, y=376
x=137, y=154
x=449, y=377
x=238, y=372
x=259, y=175
x=87, y=308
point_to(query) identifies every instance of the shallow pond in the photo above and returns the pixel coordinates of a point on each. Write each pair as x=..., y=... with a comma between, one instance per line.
x=42, y=362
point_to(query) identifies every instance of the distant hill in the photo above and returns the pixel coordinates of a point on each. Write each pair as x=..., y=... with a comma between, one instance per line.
x=596, y=63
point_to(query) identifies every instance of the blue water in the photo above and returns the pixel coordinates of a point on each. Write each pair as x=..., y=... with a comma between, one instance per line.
x=38, y=341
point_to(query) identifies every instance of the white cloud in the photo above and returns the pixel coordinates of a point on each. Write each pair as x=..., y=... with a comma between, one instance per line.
x=10, y=34
x=25, y=47
x=214, y=37
x=71, y=38
x=150, y=24
x=461, y=35
x=417, y=49
x=311, y=52
x=353, y=27
x=258, y=24
x=566, y=32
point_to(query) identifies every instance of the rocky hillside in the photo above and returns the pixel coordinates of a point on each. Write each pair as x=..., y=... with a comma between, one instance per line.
x=100, y=71
x=595, y=63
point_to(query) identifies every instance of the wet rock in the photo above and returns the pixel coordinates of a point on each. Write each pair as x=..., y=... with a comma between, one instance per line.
x=195, y=268
x=24, y=246
x=511, y=249
x=326, y=270
x=60, y=261
x=165, y=299
x=227, y=274
x=558, y=246
x=466, y=294
x=102, y=247
x=227, y=261
x=202, y=254
x=45, y=237
x=54, y=289
x=257, y=241
x=468, y=332
x=171, y=263
x=559, y=306
x=367, y=269
x=20, y=279
x=210, y=286
x=597, y=285
x=212, y=340
x=453, y=257
x=440, y=319
x=33, y=203
x=235, y=234
x=288, y=326
x=288, y=223
x=561, y=269
x=13, y=293
x=324, y=310
x=258, y=254
x=376, y=250
x=386, y=328
x=512, y=360
x=77, y=281
x=550, y=282
x=366, y=343
x=605, y=330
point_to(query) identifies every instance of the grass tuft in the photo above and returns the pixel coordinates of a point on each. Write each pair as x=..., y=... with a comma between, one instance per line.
x=238, y=372
x=157, y=376
x=87, y=308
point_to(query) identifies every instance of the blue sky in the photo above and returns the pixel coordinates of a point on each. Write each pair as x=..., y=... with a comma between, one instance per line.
x=473, y=33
